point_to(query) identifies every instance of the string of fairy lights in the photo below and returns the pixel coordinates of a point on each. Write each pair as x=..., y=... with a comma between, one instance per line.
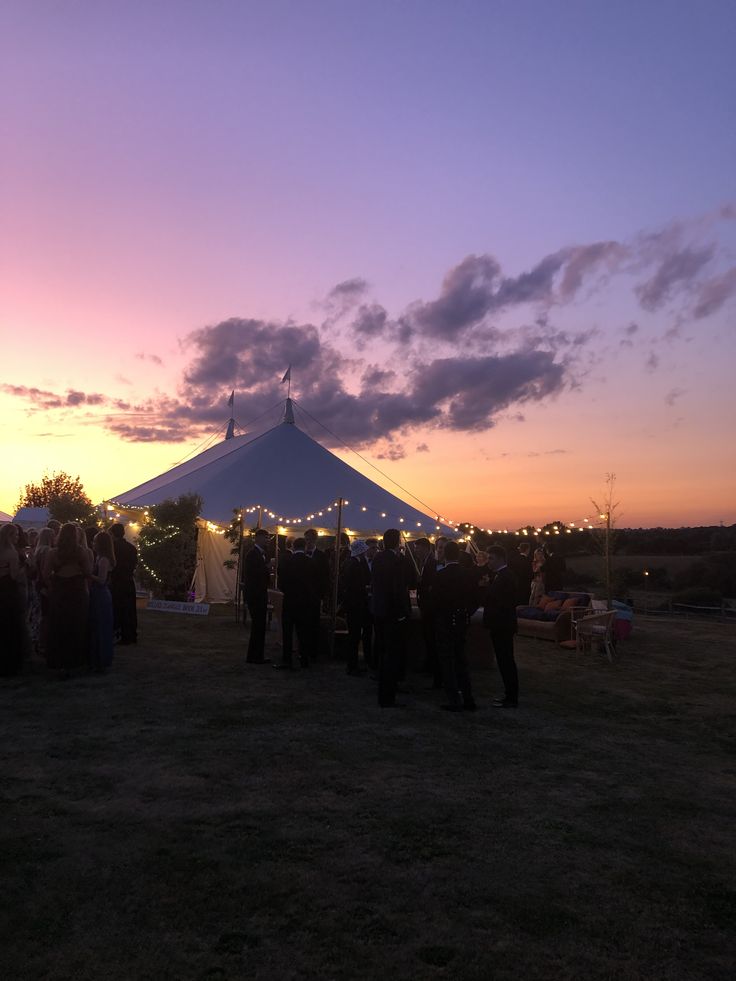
x=465, y=530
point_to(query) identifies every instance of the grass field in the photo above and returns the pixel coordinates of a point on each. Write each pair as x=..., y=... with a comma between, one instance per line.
x=189, y=817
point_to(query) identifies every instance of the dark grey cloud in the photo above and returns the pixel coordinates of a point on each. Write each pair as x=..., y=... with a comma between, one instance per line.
x=352, y=289
x=714, y=292
x=582, y=260
x=475, y=288
x=375, y=376
x=153, y=358
x=465, y=299
x=474, y=390
x=371, y=322
x=421, y=448
x=677, y=270
x=243, y=353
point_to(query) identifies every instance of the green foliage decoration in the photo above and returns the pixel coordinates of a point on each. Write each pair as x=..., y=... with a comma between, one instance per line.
x=167, y=547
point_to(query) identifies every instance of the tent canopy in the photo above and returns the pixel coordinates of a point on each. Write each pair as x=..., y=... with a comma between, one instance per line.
x=289, y=478
x=32, y=517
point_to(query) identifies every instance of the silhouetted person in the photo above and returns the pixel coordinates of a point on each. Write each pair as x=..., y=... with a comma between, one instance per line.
x=555, y=568
x=356, y=587
x=520, y=563
x=301, y=604
x=452, y=597
x=499, y=616
x=122, y=587
x=256, y=578
x=425, y=601
x=391, y=610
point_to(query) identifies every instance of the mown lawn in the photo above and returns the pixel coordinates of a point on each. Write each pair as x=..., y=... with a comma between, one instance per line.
x=188, y=816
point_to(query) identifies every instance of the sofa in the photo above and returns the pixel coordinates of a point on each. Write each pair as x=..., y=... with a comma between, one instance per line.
x=551, y=618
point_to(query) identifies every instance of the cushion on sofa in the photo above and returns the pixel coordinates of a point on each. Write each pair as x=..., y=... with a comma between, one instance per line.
x=553, y=605
x=559, y=594
x=529, y=613
x=551, y=615
x=570, y=603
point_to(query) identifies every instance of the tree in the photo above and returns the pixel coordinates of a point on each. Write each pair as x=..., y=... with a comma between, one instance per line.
x=64, y=496
x=168, y=547
x=604, y=534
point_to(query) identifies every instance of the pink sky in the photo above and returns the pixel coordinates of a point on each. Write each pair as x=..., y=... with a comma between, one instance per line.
x=540, y=262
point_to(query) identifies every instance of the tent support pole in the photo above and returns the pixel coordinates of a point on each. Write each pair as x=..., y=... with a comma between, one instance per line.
x=238, y=591
x=336, y=581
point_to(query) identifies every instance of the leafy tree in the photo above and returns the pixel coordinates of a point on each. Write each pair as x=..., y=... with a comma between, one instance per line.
x=168, y=547
x=63, y=495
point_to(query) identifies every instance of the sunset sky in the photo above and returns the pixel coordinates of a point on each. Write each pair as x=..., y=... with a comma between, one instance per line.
x=496, y=241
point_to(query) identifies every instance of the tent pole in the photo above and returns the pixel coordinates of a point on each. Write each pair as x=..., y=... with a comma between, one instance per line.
x=240, y=562
x=336, y=582
x=411, y=554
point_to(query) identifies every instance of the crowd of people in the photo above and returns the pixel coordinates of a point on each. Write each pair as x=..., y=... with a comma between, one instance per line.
x=67, y=594
x=373, y=588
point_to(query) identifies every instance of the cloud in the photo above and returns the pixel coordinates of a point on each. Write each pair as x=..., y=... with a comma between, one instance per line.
x=150, y=434
x=421, y=448
x=43, y=399
x=474, y=390
x=456, y=362
x=245, y=353
x=370, y=323
x=465, y=298
x=395, y=452
x=375, y=376
x=343, y=298
x=673, y=395
x=677, y=270
x=714, y=293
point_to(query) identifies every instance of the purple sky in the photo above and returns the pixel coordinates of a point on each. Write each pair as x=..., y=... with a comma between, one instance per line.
x=566, y=170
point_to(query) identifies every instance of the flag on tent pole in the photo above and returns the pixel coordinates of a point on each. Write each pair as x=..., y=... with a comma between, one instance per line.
x=287, y=375
x=231, y=400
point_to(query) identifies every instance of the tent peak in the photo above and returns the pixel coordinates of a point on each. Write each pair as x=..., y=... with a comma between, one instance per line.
x=289, y=412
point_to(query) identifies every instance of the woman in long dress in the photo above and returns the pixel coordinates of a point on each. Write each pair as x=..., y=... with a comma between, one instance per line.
x=11, y=608
x=69, y=566
x=39, y=608
x=537, y=576
x=100, y=603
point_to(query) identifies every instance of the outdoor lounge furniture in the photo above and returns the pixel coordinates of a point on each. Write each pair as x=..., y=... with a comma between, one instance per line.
x=596, y=632
x=552, y=617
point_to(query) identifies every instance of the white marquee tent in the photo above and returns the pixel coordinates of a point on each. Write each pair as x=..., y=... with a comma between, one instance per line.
x=285, y=479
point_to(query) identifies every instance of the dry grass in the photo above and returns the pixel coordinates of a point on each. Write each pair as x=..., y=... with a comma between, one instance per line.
x=190, y=817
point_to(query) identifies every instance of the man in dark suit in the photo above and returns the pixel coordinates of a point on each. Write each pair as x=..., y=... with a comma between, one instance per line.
x=520, y=563
x=256, y=579
x=499, y=617
x=355, y=577
x=321, y=573
x=391, y=611
x=427, y=574
x=301, y=604
x=122, y=587
x=453, y=598
x=555, y=568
